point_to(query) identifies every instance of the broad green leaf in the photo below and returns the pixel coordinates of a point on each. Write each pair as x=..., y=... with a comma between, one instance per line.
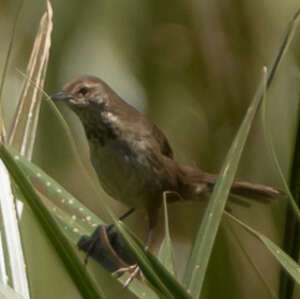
x=84, y=283
x=73, y=218
x=57, y=198
x=157, y=275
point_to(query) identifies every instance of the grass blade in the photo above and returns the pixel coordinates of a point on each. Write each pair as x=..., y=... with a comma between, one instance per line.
x=270, y=145
x=198, y=261
x=84, y=283
x=286, y=262
x=291, y=235
x=157, y=275
x=284, y=46
x=8, y=293
x=22, y=135
x=57, y=198
x=197, y=264
x=12, y=236
x=291, y=243
x=165, y=254
x=255, y=267
x=5, y=68
x=73, y=218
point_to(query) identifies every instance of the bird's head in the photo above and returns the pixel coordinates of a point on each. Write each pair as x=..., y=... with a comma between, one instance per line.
x=95, y=103
x=84, y=93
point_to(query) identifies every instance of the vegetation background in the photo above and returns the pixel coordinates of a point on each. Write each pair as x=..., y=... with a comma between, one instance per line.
x=192, y=67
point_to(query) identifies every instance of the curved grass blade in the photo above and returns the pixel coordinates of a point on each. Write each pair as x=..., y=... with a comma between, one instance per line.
x=198, y=261
x=293, y=214
x=284, y=46
x=12, y=242
x=15, y=263
x=22, y=134
x=259, y=273
x=5, y=68
x=8, y=293
x=73, y=218
x=291, y=242
x=157, y=275
x=57, y=198
x=286, y=262
x=79, y=275
x=270, y=145
x=165, y=254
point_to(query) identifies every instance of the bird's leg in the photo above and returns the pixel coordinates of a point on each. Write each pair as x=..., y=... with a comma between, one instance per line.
x=92, y=245
x=125, y=215
x=97, y=235
x=170, y=195
x=153, y=217
x=135, y=269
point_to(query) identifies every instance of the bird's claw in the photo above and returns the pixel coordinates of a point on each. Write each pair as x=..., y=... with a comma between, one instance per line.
x=134, y=271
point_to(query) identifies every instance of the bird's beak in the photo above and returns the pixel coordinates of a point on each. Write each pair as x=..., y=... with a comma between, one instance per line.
x=61, y=96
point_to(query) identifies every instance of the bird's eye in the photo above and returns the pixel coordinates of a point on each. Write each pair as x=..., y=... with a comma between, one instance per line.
x=83, y=91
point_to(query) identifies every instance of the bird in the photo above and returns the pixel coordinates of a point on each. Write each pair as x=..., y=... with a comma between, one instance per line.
x=132, y=157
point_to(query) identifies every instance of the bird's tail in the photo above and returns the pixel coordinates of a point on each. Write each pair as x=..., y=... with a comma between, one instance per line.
x=195, y=180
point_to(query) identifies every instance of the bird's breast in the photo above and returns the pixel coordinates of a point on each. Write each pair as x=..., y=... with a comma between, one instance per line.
x=125, y=172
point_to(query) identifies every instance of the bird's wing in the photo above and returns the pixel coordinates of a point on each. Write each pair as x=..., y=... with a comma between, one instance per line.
x=140, y=125
x=163, y=142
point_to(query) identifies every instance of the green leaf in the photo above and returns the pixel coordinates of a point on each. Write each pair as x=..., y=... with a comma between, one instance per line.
x=25, y=124
x=157, y=275
x=64, y=205
x=13, y=262
x=8, y=293
x=198, y=261
x=286, y=262
x=260, y=274
x=5, y=68
x=73, y=218
x=84, y=283
x=270, y=145
x=165, y=254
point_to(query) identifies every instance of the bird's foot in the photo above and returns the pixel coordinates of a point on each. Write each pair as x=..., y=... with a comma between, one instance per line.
x=134, y=271
x=171, y=196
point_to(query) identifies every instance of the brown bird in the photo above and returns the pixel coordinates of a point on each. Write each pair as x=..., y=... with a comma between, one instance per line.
x=133, y=158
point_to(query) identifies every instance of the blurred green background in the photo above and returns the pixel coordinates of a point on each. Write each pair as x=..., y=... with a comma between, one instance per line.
x=192, y=67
